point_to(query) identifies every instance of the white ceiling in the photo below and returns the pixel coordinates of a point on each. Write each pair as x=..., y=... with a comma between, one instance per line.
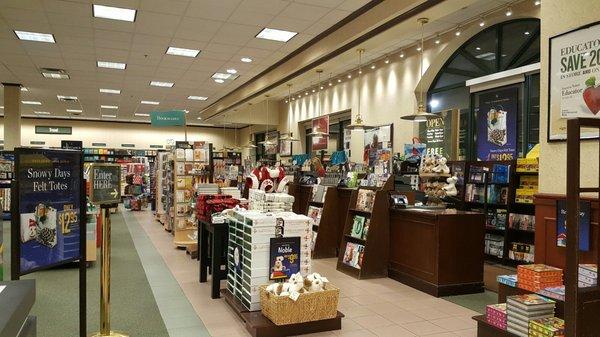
x=223, y=30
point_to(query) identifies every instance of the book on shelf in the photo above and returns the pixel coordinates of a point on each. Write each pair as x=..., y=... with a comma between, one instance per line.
x=528, y=165
x=524, y=195
x=547, y=327
x=319, y=192
x=529, y=182
x=524, y=222
x=353, y=255
x=531, y=304
x=535, y=277
x=477, y=174
x=556, y=293
x=315, y=213
x=497, y=194
x=500, y=174
x=358, y=224
x=496, y=218
x=509, y=280
x=494, y=245
x=366, y=228
x=474, y=193
x=365, y=200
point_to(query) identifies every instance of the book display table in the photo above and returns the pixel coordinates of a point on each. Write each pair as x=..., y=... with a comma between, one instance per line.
x=485, y=329
x=218, y=249
x=505, y=290
x=439, y=252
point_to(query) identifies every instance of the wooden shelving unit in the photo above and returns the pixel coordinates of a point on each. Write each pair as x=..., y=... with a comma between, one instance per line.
x=326, y=244
x=375, y=255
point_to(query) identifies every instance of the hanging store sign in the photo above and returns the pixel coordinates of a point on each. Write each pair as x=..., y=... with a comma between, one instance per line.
x=167, y=118
x=53, y=130
x=439, y=134
x=497, y=124
x=71, y=144
x=105, y=183
x=574, y=83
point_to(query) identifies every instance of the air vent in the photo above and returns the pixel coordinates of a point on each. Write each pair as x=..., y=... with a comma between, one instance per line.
x=54, y=73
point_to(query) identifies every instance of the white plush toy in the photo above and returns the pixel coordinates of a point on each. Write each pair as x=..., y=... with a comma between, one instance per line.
x=441, y=166
x=314, y=282
x=450, y=187
x=295, y=286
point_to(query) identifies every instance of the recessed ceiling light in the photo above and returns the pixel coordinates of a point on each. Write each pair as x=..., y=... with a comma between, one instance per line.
x=1, y=106
x=141, y=114
x=24, y=89
x=58, y=76
x=232, y=71
x=111, y=65
x=74, y=110
x=349, y=76
x=275, y=34
x=222, y=76
x=41, y=112
x=32, y=102
x=198, y=98
x=372, y=66
x=109, y=107
x=109, y=116
x=150, y=102
x=187, y=111
x=161, y=84
x=110, y=91
x=114, y=13
x=183, y=52
x=66, y=98
x=218, y=80
x=38, y=37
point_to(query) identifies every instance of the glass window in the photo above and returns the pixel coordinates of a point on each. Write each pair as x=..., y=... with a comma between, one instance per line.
x=518, y=38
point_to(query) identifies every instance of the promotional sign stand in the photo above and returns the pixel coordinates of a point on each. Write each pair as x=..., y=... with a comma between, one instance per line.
x=48, y=215
x=105, y=192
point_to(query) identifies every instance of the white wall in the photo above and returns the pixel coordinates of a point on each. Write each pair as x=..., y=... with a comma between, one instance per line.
x=115, y=134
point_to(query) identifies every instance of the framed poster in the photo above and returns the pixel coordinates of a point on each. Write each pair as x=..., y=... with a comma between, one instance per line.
x=285, y=148
x=585, y=211
x=378, y=147
x=440, y=134
x=574, y=80
x=497, y=124
x=49, y=201
x=284, y=257
x=320, y=125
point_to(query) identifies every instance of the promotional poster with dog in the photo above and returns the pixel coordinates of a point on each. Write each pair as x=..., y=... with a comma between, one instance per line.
x=49, y=206
x=284, y=257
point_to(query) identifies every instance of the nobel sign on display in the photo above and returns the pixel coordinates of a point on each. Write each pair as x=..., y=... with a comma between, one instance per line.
x=105, y=180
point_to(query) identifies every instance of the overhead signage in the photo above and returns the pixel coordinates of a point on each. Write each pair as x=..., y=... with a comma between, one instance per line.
x=37, y=142
x=53, y=130
x=105, y=183
x=574, y=84
x=497, y=124
x=439, y=135
x=99, y=144
x=71, y=144
x=47, y=226
x=167, y=118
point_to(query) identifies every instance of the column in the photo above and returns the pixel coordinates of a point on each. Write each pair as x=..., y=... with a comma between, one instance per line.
x=12, y=115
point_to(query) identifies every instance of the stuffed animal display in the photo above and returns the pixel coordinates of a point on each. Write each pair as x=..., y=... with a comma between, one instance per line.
x=450, y=187
x=297, y=285
x=268, y=179
x=434, y=164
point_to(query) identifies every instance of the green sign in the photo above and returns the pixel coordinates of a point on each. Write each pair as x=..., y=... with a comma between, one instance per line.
x=105, y=183
x=53, y=130
x=37, y=142
x=99, y=144
x=127, y=145
x=168, y=118
x=156, y=146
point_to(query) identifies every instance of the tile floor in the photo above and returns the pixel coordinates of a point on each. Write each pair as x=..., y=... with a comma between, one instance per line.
x=378, y=307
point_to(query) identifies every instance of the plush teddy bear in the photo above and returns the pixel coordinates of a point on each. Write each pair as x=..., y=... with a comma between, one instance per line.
x=441, y=166
x=295, y=286
x=450, y=187
x=314, y=282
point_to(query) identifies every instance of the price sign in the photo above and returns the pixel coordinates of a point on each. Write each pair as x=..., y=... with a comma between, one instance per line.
x=105, y=180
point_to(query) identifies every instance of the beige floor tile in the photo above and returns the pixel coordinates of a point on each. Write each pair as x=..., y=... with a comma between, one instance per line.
x=367, y=299
x=454, y=323
x=392, y=331
x=349, y=324
x=372, y=321
x=466, y=333
x=401, y=316
x=382, y=308
x=357, y=311
x=354, y=333
x=429, y=313
x=423, y=328
x=443, y=334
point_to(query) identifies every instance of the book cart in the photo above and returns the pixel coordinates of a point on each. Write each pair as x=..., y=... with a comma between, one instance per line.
x=323, y=209
x=365, y=253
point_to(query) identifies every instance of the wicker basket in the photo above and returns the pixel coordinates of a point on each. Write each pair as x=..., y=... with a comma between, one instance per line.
x=309, y=306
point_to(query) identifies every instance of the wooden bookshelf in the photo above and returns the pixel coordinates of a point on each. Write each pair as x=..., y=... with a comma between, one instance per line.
x=326, y=244
x=375, y=255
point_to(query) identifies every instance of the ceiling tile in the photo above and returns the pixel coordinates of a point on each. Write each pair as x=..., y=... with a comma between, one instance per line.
x=197, y=29
x=175, y=7
x=290, y=24
x=251, y=17
x=156, y=24
x=273, y=7
x=322, y=3
x=231, y=33
x=352, y=5
x=23, y=4
x=304, y=12
x=212, y=9
x=68, y=7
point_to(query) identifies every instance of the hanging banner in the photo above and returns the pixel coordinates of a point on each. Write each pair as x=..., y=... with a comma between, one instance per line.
x=574, y=83
x=167, y=118
x=440, y=135
x=585, y=208
x=378, y=147
x=497, y=124
x=320, y=125
x=49, y=216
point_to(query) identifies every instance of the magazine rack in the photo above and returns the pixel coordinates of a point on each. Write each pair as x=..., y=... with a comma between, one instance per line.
x=581, y=304
x=375, y=256
x=326, y=244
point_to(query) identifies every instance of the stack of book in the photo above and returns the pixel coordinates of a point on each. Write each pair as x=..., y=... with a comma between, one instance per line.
x=547, y=327
x=520, y=309
x=557, y=293
x=365, y=200
x=360, y=227
x=535, y=277
x=495, y=314
x=588, y=275
x=509, y=280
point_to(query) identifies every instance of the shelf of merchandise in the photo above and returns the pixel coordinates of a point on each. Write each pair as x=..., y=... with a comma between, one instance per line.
x=325, y=237
x=227, y=168
x=108, y=155
x=192, y=165
x=376, y=245
x=162, y=182
x=6, y=174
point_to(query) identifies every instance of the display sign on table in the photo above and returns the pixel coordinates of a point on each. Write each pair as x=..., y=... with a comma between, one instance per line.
x=105, y=183
x=497, y=124
x=574, y=84
x=49, y=203
x=284, y=257
x=439, y=134
x=167, y=118
x=320, y=125
x=378, y=146
x=585, y=208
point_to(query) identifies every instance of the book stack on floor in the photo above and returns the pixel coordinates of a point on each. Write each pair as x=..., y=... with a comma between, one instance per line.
x=521, y=309
x=588, y=275
x=547, y=327
x=270, y=202
x=536, y=277
x=496, y=315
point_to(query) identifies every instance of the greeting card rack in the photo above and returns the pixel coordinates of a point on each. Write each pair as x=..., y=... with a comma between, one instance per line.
x=366, y=255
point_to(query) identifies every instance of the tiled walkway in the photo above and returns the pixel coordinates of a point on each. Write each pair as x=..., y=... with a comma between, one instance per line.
x=379, y=307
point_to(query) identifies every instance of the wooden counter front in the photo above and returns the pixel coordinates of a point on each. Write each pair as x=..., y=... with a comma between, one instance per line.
x=439, y=252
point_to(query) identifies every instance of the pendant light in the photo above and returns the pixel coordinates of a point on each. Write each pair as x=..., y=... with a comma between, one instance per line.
x=358, y=123
x=250, y=144
x=267, y=141
x=319, y=86
x=421, y=115
x=289, y=136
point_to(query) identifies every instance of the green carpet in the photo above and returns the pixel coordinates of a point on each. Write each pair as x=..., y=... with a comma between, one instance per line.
x=475, y=302
x=132, y=300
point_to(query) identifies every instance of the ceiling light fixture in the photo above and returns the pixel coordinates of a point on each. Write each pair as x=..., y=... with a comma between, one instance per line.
x=182, y=52
x=358, y=123
x=401, y=54
x=75, y=110
x=111, y=65
x=66, y=98
x=32, y=36
x=198, y=98
x=276, y=34
x=231, y=71
x=339, y=80
x=457, y=32
x=387, y=60
x=372, y=66
x=57, y=74
x=481, y=22
x=150, y=102
x=419, y=48
x=420, y=115
x=31, y=102
x=162, y=84
x=537, y=2
x=110, y=91
x=349, y=76
x=222, y=76
x=526, y=33
x=141, y=114
x=109, y=116
x=41, y=112
x=24, y=89
x=218, y=80
x=509, y=11
x=114, y=13
x=438, y=40
x=109, y=107
x=246, y=59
